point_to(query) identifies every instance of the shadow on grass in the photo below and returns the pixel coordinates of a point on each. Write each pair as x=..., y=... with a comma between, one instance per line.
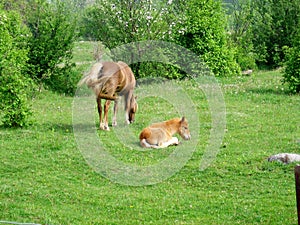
x=67, y=128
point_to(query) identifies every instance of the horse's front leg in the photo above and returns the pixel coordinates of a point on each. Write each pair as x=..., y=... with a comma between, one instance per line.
x=106, y=108
x=101, y=125
x=114, y=123
x=172, y=141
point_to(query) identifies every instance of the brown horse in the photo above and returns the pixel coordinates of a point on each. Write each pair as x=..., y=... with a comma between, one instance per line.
x=160, y=135
x=109, y=80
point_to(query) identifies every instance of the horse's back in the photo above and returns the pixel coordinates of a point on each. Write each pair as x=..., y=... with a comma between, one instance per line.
x=109, y=78
x=127, y=72
x=110, y=68
x=120, y=72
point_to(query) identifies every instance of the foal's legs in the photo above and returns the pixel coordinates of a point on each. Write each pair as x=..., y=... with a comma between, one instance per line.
x=172, y=141
x=114, y=123
x=101, y=126
x=106, y=108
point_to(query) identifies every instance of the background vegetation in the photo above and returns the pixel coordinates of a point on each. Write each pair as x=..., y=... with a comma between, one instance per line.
x=228, y=36
x=46, y=46
x=13, y=58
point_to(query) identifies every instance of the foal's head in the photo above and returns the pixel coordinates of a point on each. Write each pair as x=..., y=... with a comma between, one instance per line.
x=184, y=129
x=133, y=108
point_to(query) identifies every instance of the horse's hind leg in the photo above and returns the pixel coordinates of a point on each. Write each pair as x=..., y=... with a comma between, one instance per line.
x=100, y=112
x=106, y=108
x=114, y=123
x=127, y=105
x=172, y=141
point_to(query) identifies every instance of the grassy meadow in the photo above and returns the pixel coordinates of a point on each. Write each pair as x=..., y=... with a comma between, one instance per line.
x=45, y=178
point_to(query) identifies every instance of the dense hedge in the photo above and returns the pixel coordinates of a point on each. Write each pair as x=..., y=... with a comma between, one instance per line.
x=13, y=59
x=291, y=73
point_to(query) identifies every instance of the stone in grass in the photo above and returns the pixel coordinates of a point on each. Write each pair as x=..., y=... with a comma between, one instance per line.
x=285, y=158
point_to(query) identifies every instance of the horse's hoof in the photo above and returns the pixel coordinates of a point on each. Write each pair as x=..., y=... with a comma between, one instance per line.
x=104, y=127
x=127, y=122
x=114, y=124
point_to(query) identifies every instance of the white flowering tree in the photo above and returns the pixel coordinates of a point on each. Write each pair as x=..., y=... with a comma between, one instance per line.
x=117, y=22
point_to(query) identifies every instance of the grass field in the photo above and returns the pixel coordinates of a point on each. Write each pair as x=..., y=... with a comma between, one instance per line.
x=45, y=178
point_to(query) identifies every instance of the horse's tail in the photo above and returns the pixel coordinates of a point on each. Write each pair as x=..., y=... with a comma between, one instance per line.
x=145, y=144
x=93, y=76
x=96, y=81
x=146, y=133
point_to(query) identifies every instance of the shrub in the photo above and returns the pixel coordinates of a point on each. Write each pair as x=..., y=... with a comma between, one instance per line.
x=14, y=83
x=203, y=32
x=274, y=25
x=245, y=55
x=53, y=29
x=291, y=73
x=64, y=80
x=158, y=69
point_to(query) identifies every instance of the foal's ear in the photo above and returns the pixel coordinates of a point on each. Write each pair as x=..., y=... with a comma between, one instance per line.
x=182, y=119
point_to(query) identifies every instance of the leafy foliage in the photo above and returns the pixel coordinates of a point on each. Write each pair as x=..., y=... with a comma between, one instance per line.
x=117, y=22
x=204, y=33
x=132, y=21
x=64, y=80
x=53, y=34
x=275, y=24
x=291, y=73
x=197, y=26
x=14, y=83
x=240, y=18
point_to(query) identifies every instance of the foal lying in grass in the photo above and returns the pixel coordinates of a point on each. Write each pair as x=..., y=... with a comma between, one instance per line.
x=160, y=135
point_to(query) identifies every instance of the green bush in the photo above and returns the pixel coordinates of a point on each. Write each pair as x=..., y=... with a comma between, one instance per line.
x=53, y=29
x=14, y=83
x=240, y=16
x=245, y=56
x=291, y=73
x=274, y=25
x=158, y=69
x=203, y=32
x=64, y=80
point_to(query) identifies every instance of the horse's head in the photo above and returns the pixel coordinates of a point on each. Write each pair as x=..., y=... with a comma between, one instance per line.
x=133, y=108
x=184, y=129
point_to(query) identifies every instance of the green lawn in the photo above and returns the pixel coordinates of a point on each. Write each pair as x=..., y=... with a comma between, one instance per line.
x=45, y=178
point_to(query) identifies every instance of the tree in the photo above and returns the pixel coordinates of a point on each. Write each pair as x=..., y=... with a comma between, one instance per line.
x=14, y=82
x=203, y=32
x=240, y=14
x=291, y=72
x=14, y=5
x=275, y=24
x=115, y=23
x=53, y=29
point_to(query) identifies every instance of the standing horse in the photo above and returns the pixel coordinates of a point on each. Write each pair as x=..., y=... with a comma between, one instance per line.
x=109, y=80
